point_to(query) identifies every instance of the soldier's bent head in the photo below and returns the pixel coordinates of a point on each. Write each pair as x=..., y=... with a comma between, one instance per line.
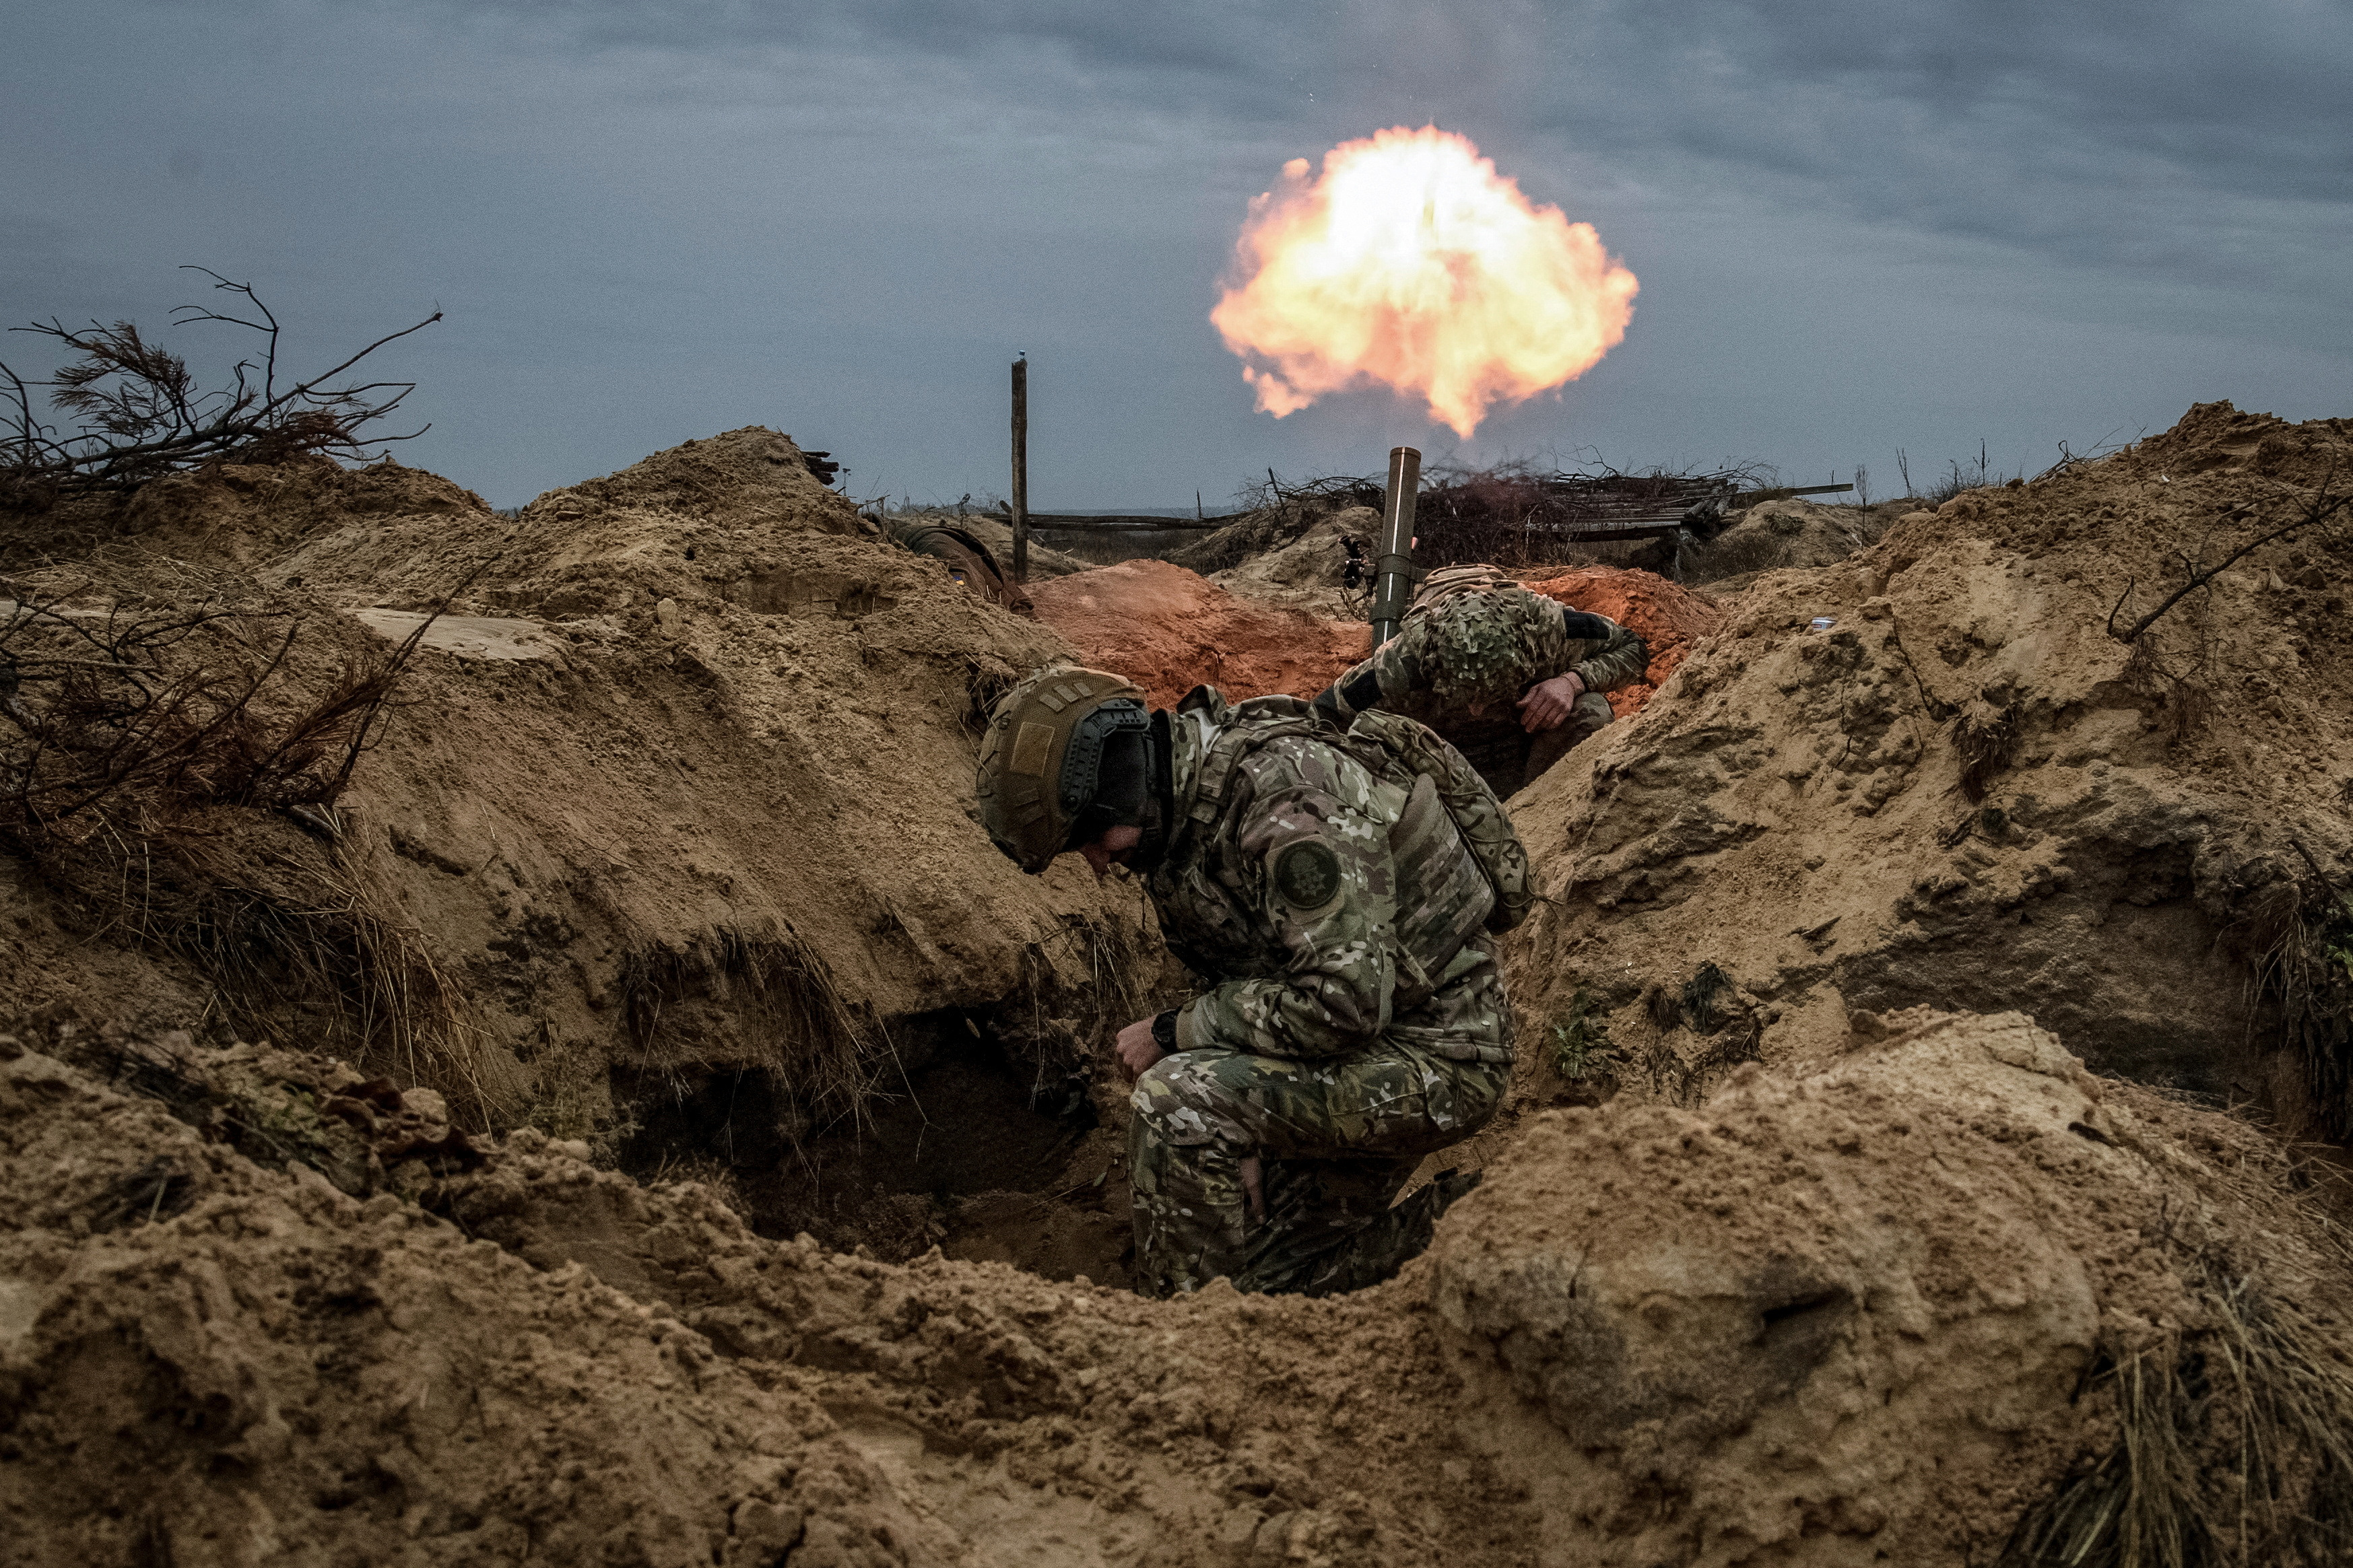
x=1070, y=754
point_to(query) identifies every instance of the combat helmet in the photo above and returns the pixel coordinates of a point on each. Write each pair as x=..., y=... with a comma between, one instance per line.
x=1041, y=763
x=1454, y=582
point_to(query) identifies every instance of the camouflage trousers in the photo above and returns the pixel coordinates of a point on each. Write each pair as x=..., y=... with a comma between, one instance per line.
x=1335, y=1139
x=1510, y=759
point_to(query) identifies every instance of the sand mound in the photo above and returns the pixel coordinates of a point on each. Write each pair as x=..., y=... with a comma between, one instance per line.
x=1864, y=1315
x=1851, y=1317
x=1784, y=535
x=1967, y=793
x=1168, y=630
x=1309, y=572
x=236, y=514
x=681, y=804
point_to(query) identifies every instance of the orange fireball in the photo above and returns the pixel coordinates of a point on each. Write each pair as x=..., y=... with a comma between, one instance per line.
x=1412, y=262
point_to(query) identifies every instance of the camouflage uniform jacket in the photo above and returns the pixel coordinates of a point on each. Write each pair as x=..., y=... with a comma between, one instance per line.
x=1330, y=904
x=1474, y=654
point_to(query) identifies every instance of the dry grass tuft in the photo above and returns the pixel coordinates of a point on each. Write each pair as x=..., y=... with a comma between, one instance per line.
x=2309, y=968
x=778, y=994
x=1735, y=553
x=987, y=679
x=2235, y=1447
x=291, y=935
x=1699, y=995
x=1987, y=738
x=2233, y=1438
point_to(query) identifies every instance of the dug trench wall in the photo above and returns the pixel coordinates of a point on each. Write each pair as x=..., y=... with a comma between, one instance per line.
x=677, y=795
x=1931, y=775
x=1896, y=1292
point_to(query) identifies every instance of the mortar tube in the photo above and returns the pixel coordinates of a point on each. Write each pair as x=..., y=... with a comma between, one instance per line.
x=1393, y=568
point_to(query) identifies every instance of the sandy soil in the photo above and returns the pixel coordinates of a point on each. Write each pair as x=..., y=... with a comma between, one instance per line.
x=779, y=1219
x=1799, y=807
x=1833, y=1317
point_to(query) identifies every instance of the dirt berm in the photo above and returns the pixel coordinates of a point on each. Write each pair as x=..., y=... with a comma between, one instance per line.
x=1871, y=1312
x=1931, y=775
x=667, y=863
x=677, y=806
x=1169, y=629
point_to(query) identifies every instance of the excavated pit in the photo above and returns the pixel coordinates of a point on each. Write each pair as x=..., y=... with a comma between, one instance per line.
x=974, y=1148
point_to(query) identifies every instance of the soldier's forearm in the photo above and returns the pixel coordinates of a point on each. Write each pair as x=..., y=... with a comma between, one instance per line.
x=1271, y=1018
x=1355, y=691
x=1622, y=660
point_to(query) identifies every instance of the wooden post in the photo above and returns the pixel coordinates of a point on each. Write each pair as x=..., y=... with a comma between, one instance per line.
x=1021, y=470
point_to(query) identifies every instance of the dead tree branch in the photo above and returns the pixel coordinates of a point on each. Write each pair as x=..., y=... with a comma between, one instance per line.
x=2327, y=885
x=142, y=723
x=139, y=414
x=2316, y=512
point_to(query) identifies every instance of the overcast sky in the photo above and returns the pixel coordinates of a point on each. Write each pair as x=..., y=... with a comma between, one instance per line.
x=1858, y=226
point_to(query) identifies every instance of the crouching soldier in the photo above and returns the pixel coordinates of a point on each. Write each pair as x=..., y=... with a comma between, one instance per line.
x=1336, y=889
x=1511, y=679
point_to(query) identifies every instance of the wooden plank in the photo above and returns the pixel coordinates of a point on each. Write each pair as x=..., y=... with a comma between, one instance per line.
x=1080, y=522
x=1020, y=503
x=1753, y=498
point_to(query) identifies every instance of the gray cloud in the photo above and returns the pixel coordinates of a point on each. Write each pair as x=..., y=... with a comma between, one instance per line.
x=1858, y=226
x=2176, y=140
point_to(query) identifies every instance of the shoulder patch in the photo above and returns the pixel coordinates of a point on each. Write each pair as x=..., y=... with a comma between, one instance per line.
x=1307, y=873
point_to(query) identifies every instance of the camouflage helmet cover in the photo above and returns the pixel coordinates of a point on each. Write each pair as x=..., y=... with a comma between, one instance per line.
x=1454, y=582
x=1038, y=759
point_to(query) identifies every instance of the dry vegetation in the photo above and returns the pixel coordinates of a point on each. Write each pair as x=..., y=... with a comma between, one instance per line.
x=136, y=412
x=140, y=741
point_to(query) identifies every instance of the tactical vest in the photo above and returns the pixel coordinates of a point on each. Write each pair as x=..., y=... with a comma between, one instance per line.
x=1434, y=916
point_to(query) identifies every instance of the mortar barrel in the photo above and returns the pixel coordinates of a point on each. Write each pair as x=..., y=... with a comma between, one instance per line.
x=1393, y=569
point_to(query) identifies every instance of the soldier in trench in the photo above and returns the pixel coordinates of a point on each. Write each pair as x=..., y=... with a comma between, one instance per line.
x=1355, y=1021
x=1511, y=679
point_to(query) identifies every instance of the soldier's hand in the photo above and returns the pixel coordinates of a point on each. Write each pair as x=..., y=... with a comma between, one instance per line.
x=1547, y=704
x=1136, y=1049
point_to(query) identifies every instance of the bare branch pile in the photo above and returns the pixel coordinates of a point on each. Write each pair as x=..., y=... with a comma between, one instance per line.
x=137, y=412
x=1517, y=514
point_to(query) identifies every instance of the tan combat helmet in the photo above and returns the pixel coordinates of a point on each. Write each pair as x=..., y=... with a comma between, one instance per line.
x=1038, y=761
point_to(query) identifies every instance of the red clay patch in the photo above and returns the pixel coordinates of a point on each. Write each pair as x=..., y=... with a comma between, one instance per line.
x=1169, y=630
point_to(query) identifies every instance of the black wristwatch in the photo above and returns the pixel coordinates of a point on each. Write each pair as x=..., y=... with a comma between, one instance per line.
x=1164, y=1030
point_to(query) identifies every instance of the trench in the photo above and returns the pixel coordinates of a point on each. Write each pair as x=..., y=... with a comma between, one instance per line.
x=972, y=1147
